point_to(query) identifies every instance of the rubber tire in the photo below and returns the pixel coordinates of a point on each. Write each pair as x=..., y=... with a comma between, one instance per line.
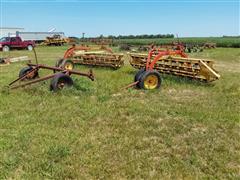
x=6, y=48
x=60, y=77
x=24, y=70
x=59, y=63
x=138, y=76
x=2, y=60
x=144, y=76
x=30, y=47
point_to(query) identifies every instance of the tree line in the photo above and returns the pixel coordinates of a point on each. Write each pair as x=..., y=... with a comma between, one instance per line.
x=143, y=36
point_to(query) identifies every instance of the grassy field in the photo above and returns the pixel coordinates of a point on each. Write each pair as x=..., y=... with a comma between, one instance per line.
x=95, y=130
x=220, y=41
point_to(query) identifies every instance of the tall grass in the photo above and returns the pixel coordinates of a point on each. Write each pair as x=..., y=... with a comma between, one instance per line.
x=95, y=130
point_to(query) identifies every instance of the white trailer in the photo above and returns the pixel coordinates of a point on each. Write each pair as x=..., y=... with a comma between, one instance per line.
x=36, y=36
x=7, y=31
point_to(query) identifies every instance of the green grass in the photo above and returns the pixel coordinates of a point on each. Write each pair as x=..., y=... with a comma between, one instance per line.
x=95, y=130
x=220, y=41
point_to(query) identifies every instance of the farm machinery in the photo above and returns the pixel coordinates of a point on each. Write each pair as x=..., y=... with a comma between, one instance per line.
x=174, y=62
x=210, y=45
x=93, y=56
x=55, y=40
x=168, y=61
x=188, y=48
x=60, y=77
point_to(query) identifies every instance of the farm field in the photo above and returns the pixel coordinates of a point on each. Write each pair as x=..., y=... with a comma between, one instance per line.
x=220, y=41
x=95, y=130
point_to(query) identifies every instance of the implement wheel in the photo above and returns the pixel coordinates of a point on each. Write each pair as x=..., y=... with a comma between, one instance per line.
x=150, y=80
x=68, y=65
x=60, y=81
x=65, y=64
x=25, y=70
x=138, y=76
x=59, y=62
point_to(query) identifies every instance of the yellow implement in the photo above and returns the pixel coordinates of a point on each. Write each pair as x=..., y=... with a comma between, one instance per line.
x=199, y=69
x=93, y=55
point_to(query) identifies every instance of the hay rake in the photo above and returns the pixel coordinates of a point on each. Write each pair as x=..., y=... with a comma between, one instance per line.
x=93, y=56
x=174, y=62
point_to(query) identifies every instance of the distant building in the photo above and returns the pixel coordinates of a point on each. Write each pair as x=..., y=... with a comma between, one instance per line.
x=6, y=31
x=34, y=36
x=37, y=36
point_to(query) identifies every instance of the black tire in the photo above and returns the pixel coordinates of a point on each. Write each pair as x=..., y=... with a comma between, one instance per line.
x=146, y=83
x=59, y=81
x=59, y=63
x=25, y=70
x=2, y=60
x=136, y=78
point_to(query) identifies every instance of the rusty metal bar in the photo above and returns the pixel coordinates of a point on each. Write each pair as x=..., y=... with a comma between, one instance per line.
x=36, y=67
x=45, y=67
x=23, y=77
x=131, y=85
x=90, y=74
x=34, y=81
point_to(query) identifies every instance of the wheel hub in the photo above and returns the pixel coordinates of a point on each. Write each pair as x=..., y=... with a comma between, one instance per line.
x=61, y=85
x=68, y=66
x=151, y=82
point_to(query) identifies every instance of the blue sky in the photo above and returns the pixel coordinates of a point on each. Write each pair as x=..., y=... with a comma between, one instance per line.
x=189, y=18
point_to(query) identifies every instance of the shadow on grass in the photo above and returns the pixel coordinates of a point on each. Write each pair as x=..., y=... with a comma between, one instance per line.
x=96, y=67
x=170, y=79
x=82, y=85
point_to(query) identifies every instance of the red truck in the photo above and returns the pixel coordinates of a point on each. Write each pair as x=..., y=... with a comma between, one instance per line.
x=7, y=43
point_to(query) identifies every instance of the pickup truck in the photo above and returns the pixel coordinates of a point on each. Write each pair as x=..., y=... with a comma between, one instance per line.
x=7, y=43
